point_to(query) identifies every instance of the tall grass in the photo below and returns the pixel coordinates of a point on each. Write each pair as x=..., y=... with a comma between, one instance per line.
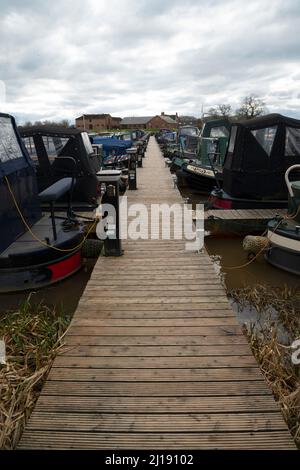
x=32, y=337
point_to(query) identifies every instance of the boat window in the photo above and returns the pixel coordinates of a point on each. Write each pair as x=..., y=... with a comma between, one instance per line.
x=30, y=147
x=54, y=145
x=9, y=145
x=220, y=131
x=292, y=141
x=232, y=139
x=265, y=137
x=87, y=143
x=212, y=150
x=189, y=131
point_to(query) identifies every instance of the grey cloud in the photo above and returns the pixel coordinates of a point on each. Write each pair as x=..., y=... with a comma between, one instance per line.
x=131, y=57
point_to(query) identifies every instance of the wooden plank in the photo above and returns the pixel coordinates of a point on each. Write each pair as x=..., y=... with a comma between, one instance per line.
x=108, y=300
x=277, y=440
x=103, y=404
x=151, y=351
x=114, y=362
x=147, y=314
x=162, y=389
x=162, y=340
x=156, y=375
x=154, y=423
x=152, y=331
x=142, y=285
x=200, y=307
x=128, y=294
x=157, y=322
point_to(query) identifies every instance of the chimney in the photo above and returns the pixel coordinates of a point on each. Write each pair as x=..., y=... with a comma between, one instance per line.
x=162, y=113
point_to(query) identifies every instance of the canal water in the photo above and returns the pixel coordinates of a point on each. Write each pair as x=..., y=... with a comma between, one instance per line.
x=231, y=256
x=228, y=251
x=64, y=296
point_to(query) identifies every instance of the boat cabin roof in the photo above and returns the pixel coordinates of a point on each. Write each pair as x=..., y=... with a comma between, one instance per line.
x=258, y=153
x=55, y=131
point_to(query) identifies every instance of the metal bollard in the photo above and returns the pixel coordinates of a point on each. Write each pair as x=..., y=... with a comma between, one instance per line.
x=112, y=243
x=132, y=152
x=140, y=158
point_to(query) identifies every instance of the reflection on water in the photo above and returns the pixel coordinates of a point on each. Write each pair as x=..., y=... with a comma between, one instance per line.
x=232, y=254
x=249, y=316
x=64, y=295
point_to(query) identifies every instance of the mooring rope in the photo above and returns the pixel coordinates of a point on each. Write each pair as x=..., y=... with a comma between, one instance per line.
x=286, y=217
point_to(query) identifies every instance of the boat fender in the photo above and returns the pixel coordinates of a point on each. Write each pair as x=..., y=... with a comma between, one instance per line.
x=254, y=245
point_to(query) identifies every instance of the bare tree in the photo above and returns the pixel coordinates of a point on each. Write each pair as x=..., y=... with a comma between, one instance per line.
x=221, y=110
x=251, y=107
x=224, y=110
x=46, y=122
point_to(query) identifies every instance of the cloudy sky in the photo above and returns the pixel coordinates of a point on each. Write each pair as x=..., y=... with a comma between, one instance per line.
x=140, y=57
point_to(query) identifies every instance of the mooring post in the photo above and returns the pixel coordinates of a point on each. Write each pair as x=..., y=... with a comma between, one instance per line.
x=140, y=154
x=132, y=168
x=112, y=242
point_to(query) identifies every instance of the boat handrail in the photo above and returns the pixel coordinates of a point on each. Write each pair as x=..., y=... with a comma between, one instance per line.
x=287, y=181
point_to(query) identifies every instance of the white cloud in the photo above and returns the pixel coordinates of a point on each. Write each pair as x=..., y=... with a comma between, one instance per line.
x=141, y=57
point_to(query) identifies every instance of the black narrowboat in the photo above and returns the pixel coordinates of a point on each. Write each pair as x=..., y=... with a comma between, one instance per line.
x=35, y=249
x=259, y=152
x=49, y=147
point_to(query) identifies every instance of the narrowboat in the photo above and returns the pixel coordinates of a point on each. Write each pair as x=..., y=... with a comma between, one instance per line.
x=259, y=152
x=206, y=172
x=35, y=249
x=187, y=146
x=49, y=146
x=284, y=233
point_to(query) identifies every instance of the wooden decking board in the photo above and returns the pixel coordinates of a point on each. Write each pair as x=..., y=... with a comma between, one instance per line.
x=246, y=214
x=162, y=389
x=136, y=404
x=152, y=351
x=156, y=375
x=154, y=357
x=154, y=362
x=131, y=340
x=277, y=440
x=154, y=422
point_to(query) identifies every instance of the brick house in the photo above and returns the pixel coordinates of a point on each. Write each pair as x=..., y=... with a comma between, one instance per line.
x=97, y=122
x=149, y=122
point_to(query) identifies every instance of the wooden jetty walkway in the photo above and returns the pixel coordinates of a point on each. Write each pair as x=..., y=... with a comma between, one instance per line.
x=154, y=357
x=239, y=221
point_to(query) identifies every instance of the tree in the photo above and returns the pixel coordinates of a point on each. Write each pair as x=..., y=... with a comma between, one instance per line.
x=251, y=107
x=224, y=110
x=221, y=110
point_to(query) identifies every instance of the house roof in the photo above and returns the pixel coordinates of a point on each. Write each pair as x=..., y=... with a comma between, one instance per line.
x=136, y=120
x=145, y=119
x=168, y=119
x=93, y=116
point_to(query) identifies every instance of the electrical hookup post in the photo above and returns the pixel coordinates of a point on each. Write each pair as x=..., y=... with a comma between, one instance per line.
x=108, y=229
x=132, y=156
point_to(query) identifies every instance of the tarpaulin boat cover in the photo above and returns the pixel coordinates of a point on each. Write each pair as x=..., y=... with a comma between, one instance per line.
x=259, y=152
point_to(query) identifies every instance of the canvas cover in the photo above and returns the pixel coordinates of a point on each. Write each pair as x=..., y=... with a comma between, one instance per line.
x=16, y=166
x=259, y=152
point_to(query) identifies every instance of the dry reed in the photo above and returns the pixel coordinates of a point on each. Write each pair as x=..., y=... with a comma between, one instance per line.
x=272, y=352
x=32, y=337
